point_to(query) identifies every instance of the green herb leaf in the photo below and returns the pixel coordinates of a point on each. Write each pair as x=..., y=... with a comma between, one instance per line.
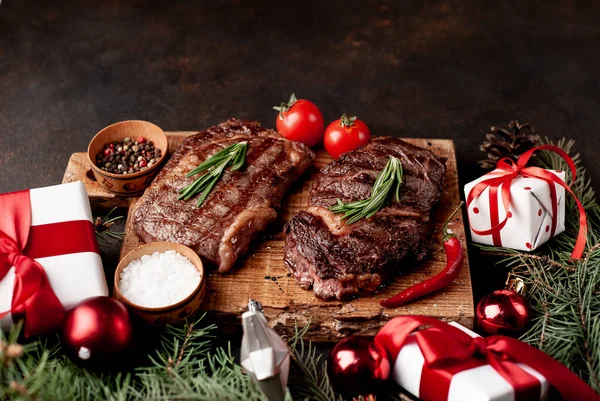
x=234, y=155
x=240, y=158
x=363, y=209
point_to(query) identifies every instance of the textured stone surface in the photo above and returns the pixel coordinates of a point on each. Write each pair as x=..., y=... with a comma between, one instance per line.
x=445, y=69
x=434, y=69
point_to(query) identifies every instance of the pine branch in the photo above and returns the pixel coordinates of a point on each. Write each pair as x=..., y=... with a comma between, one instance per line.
x=189, y=332
x=102, y=226
x=186, y=368
x=312, y=383
x=511, y=253
x=197, y=372
x=564, y=294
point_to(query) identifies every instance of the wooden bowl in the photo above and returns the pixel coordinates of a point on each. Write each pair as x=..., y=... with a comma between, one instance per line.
x=168, y=314
x=127, y=184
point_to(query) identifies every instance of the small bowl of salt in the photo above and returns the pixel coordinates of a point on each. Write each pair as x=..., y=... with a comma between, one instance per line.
x=162, y=282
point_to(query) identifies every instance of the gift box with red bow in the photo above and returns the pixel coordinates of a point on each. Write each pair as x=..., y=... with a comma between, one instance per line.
x=447, y=362
x=521, y=207
x=533, y=217
x=49, y=258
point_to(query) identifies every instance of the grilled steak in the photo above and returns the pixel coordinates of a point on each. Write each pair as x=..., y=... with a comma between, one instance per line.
x=240, y=205
x=339, y=260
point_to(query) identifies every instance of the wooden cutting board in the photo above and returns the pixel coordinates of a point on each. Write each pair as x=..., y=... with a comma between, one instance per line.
x=262, y=275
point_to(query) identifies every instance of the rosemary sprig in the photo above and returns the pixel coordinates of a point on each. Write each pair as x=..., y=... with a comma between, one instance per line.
x=234, y=155
x=366, y=208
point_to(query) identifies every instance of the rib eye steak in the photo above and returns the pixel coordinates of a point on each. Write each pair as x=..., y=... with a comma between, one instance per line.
x=339, y=260
x=240, y=205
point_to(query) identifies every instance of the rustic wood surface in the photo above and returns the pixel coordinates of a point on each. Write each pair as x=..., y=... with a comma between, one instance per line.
x=263, y=276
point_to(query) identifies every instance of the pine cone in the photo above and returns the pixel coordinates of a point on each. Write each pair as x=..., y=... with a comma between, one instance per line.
x=512, y=143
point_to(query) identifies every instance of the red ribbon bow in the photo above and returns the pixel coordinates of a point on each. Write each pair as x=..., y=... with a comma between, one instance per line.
x=33, y=298
x=32, y=292
x=447, y=349
x=509, y=170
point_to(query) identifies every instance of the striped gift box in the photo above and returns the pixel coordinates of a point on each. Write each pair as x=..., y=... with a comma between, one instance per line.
x=60, y=217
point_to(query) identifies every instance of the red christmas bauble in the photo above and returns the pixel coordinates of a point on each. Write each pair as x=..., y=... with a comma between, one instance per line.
x=503, y=312
x=358, y=366
x=97, y=330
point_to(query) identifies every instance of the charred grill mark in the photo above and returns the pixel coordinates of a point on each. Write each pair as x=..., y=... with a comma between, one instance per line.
x=340, y=261
x=254, y=192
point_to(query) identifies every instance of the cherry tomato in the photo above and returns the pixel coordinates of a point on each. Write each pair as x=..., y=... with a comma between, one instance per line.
x=344, y=135
x=300, y=120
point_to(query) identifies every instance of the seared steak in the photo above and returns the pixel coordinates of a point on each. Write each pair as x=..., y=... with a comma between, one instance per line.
x=339, y=260
x=240, y=205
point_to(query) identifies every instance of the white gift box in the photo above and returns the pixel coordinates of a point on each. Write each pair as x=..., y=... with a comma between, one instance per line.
x=481, y=383
x=530, y=213
x=73, y=277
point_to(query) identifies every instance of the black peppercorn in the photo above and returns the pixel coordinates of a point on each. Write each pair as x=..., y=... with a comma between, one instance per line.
x=128, y=156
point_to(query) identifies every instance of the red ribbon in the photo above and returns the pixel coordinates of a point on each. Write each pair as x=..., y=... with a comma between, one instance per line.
x=33, y=297
x=501, y=180
x=448, y=350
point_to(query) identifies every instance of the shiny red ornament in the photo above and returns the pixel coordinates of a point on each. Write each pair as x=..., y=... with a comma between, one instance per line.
x=503, y=312
x=358, y=366
x=97, y=330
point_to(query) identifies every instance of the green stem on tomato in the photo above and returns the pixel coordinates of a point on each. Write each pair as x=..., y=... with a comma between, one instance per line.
x=347, y=121
x=283, y=107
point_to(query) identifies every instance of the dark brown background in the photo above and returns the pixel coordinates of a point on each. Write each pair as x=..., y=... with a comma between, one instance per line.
x=446, y=69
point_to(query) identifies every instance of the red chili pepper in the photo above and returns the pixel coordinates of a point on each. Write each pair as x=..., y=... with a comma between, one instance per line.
x=454, y=262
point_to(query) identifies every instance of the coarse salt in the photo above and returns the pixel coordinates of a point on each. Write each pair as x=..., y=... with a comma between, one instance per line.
x=159, y=280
